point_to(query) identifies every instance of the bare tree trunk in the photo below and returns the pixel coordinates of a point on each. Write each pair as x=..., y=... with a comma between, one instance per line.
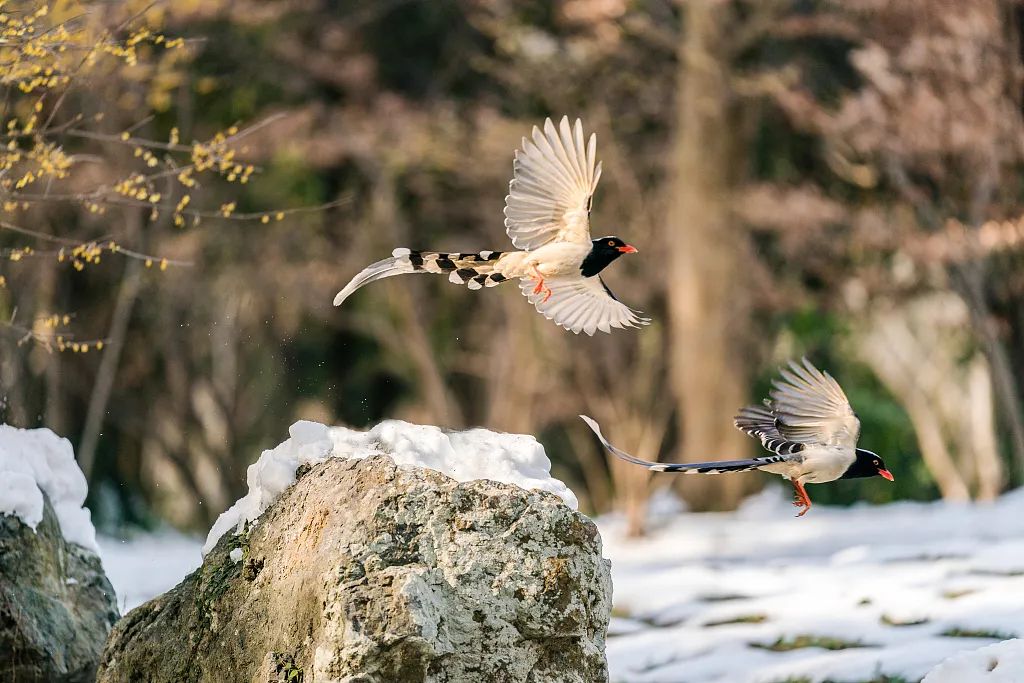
x=936, y=455
x=54, y=407
x=980, y=435
x=443, y=404
x=967, y=282
x=708, y=299
x=915, y=349
x=900, y=376
x=127, y=294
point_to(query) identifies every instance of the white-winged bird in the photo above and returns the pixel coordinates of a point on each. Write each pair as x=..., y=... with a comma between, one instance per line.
x=547, y=215
x=807, y=424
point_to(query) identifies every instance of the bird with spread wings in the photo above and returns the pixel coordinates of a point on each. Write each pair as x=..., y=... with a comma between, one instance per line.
x=547, y=216
x=808, y=426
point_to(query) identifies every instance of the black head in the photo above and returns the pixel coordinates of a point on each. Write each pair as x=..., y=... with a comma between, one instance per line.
x=867, y=464
x=603, y=251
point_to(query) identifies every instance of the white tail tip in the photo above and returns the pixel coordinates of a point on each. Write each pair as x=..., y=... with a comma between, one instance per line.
x=592, y=423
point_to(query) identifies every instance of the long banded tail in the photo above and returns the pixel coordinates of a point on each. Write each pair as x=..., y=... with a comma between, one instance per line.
x=475, y=270
x=715, y=467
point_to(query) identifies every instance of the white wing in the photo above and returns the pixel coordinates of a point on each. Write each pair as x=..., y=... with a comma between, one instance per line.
x=811, y=408
x=581, y=304
x=553, y=181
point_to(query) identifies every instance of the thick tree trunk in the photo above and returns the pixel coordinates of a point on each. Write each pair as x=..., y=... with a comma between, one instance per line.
x=708, y=298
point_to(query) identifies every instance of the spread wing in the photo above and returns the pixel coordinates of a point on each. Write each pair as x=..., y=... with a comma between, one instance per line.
x=811, y=408
x=761, y=423
x=553, y=181
x=581, y=304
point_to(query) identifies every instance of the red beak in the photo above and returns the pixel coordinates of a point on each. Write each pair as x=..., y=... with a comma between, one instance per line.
x=628, y=249
x=887, y=474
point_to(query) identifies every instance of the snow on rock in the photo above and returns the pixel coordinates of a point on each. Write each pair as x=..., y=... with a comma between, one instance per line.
x=37, y=461
x=464, y=456
x=999, y=663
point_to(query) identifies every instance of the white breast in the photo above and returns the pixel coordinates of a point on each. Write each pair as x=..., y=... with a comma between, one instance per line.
x=825, y=463
x=558, y=258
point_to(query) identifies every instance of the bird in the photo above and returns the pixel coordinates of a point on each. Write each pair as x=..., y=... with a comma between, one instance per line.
x=807, y=424
x=547, y=216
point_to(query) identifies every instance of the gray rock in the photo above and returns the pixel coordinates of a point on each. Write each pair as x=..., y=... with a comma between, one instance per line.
x=365, y=572
x=56, y=605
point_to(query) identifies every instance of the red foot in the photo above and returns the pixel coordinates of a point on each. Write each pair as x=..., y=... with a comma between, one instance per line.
x=540, y=288
x=802, y=501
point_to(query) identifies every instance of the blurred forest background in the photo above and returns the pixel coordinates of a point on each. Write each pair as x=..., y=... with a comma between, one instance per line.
x=835, y=179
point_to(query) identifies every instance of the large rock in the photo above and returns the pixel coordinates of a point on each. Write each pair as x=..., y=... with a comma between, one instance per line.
x=56, y=605
x=363, y=571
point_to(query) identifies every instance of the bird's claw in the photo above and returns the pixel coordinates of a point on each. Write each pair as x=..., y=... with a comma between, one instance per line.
x=801, y=500
x=541, y=288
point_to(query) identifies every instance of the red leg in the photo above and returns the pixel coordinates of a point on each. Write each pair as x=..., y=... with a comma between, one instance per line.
x=540, y=285
x=802, y=501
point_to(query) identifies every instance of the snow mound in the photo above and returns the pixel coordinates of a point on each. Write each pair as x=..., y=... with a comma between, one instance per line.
x=999, y=663
x=464, y=456
x=37, y=461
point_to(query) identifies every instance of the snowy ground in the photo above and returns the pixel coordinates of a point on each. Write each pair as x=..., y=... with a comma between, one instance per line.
x=879, y=594
x=146, y=566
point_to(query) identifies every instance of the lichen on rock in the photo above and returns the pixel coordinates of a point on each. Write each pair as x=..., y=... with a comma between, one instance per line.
x=56, y=604
x=366, y=571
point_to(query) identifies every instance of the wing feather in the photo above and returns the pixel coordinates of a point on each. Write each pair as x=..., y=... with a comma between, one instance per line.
x=811, y=408
x=760, y=422
x=581, y=304
x=554, y=177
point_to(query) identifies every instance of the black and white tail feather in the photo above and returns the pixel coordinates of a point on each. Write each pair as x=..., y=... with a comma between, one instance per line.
x=715, y=467
x=473, y=269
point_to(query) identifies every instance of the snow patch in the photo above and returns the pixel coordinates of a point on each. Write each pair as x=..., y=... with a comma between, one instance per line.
x=464, y=456
x=752, y=596
x=236, y=555
x=37, y=461
x=142, y=567
x=999, y=663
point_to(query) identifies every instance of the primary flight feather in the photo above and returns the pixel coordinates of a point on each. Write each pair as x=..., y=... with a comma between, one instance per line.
x=547, y=217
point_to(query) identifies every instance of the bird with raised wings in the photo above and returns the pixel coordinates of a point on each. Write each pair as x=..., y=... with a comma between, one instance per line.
x=807, y=424
x=547, y=216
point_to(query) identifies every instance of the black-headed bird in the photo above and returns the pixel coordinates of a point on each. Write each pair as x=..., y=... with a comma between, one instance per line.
x=807, y=424
x=547, y=215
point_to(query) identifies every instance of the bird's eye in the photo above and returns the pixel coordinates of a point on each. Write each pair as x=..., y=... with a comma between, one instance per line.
x=877, y=463
x=611, y=243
